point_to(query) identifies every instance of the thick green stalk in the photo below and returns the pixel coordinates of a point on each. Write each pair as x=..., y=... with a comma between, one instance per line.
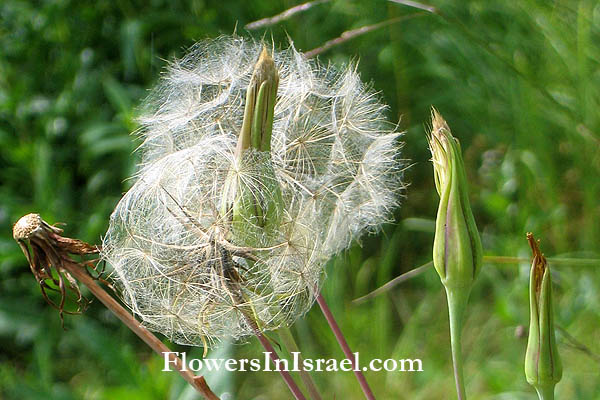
x=545, y=392
x=286, y=336
x=457, y=304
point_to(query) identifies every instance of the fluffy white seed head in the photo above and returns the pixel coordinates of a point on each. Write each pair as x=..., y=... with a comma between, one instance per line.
x=333, y=154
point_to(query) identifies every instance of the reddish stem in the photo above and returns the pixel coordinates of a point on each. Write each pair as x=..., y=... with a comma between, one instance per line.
x=345, y=348
x=284, y=374
x=155, y=344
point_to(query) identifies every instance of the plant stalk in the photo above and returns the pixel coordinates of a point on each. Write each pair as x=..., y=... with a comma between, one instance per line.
x=250, y=318
x=284, y=374
x=155, y=344
x=545, y=392
x=286, y=336
x=457, y=302
x=345, y=348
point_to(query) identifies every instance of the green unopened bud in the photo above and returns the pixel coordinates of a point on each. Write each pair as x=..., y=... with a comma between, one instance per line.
x=543, y=368
x=260, y=105
x=457, y=252
x=252, y=200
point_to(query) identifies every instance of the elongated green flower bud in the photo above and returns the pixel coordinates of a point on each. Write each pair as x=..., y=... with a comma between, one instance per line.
x=457, y=252
x=260, y=106
x=543, y=368
x=252, y=200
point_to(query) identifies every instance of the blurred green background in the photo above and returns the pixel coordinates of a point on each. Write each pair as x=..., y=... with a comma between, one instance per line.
x=518, y=82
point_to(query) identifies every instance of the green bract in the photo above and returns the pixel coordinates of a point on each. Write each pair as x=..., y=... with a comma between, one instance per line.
x=543, y=368
x=457, y=252
x=252, y=196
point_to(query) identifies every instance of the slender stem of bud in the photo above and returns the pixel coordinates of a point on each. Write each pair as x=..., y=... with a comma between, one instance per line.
x=457, y=303
x=345, y=348
x=286, y=336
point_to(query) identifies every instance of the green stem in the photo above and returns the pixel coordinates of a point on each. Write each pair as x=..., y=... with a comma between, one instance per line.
x=457, y=303
x=286, y=336
x=545, y=392
x=553, y=260
x=339, y=336
x=486, y=259
x=285, y=375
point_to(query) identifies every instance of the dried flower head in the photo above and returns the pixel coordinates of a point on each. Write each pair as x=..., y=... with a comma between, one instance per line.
x=47, y=253
x=333, y=160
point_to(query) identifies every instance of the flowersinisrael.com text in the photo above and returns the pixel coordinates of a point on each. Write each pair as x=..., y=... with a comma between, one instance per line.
x=293, y=365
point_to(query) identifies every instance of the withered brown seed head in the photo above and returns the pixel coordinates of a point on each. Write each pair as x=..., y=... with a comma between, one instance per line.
x=49, y=257
x=26, y=226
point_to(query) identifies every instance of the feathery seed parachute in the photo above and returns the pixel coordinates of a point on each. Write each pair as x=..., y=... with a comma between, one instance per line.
x=333, y=156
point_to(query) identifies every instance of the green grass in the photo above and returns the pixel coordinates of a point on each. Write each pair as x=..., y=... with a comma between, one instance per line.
x=518, y=83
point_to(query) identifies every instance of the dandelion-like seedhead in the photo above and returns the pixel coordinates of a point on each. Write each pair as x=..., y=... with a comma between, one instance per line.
x=334, y=161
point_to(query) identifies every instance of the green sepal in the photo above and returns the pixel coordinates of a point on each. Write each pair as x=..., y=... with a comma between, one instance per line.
x=457, y=250
x=543, y=367
x=252, y=203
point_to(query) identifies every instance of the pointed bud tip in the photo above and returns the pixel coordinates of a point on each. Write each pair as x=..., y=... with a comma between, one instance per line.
x=253, y=205
x=264, y=54
x=539, y=263
x=438, y=124
x=438, y=138
x=261, y=96
x=265, y=68
x=543, y=367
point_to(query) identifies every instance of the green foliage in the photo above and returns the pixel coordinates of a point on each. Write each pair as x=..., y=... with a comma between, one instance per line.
x=518, y=83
